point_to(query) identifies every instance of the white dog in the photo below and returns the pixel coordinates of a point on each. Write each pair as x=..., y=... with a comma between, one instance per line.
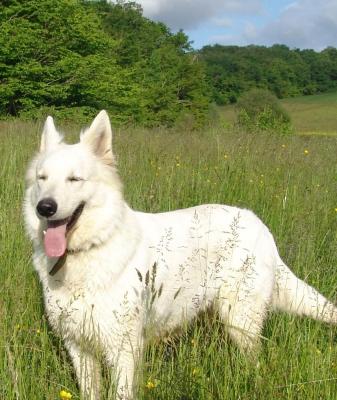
x=109, y=272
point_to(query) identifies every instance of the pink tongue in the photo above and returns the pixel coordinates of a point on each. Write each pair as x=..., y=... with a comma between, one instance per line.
x=55, y=243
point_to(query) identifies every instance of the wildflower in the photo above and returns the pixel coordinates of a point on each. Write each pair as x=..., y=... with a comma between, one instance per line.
x=300, y=387
x=195, y=371
x=150, y=384
x=336, y=209
x=38, y=331
x=194, y=342
x=64, y=395
x=178, y=164
x=225, y=156
x=283, y=146
x=306, y=152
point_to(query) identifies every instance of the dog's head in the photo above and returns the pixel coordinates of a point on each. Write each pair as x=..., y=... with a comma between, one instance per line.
x=73, y=192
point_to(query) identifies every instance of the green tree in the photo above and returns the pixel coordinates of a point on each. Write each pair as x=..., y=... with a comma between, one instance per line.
x=73, y=57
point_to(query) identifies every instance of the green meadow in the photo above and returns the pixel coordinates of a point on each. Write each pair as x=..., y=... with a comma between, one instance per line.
x=310, y=115
x=289, y=182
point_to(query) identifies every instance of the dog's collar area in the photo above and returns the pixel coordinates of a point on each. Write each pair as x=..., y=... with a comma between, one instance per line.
x=62, y=260
x=58, y=265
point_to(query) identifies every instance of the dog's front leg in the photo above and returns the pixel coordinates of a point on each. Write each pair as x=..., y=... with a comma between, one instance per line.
x=123, y=359
x=87, y=370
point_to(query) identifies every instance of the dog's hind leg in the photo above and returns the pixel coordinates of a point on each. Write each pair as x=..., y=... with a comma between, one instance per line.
x=244, y=321
x=243, y=304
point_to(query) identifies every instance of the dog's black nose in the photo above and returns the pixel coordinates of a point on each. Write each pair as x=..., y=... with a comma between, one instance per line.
x=46, y=207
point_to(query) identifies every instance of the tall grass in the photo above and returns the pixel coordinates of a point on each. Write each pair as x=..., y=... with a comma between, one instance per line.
x=289, y=182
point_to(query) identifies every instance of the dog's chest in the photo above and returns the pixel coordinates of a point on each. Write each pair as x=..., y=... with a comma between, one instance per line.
x=71, y=311
x=79, y=310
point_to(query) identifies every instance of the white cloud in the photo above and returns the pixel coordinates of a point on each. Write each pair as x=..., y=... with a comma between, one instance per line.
x=222, y=22
x=189, y=14
x=307, y=23
x=300, y=23
x=303, y=24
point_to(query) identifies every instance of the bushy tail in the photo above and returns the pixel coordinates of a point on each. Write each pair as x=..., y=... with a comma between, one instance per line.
x=295, y=296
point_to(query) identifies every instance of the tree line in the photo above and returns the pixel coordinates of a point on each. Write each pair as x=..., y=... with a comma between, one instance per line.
x=74, y=57
x=234, y=70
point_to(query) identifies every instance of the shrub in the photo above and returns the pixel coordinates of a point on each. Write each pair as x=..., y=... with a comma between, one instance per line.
x=259, y=110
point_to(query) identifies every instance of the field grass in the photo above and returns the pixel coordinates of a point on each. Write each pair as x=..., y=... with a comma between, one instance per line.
x=310, y=115
x=289, y=182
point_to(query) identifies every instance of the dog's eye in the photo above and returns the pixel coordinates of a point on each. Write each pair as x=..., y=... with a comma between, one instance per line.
x=75, y=179
x=42, y=177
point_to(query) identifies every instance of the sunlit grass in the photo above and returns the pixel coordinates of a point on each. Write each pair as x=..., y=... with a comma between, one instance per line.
x=289, y=182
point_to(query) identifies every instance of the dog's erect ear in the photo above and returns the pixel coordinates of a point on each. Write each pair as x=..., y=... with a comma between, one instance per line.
x=99, y=137
x=50, y=136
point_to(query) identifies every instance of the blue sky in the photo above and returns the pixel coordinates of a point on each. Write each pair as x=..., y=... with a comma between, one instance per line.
x=301, y=23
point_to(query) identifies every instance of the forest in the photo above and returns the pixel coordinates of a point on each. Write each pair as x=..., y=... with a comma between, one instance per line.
x=233, y=70
x=74, y=57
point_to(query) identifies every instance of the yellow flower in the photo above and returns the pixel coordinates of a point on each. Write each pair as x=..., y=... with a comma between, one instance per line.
x=64, y=395
x=150, y=384
x=178, y=164
x=283, y=146
x=300, y=387
x=306, y=152
x=195, y=371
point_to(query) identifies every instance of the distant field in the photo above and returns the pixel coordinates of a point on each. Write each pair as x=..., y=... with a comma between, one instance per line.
x=290, y=182
x=310, y=114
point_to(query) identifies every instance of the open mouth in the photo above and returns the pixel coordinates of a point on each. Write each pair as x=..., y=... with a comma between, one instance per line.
x=55, y=242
